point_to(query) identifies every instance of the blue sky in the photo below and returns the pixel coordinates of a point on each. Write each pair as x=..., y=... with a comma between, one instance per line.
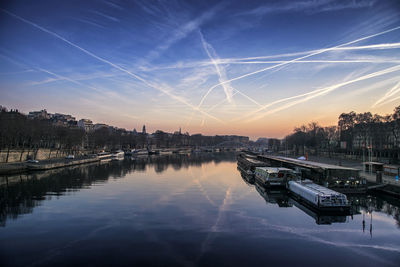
x=257, y=68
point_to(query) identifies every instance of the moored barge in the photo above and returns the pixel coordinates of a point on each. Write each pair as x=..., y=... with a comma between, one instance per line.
x=318, y=197
x=271, y=176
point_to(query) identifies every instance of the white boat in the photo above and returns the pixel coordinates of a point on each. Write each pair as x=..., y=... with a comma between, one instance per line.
x=139, y=152
x=272, y=176
x=165, y=152
x=118, y=155
x=104, y=156
x=317, y=196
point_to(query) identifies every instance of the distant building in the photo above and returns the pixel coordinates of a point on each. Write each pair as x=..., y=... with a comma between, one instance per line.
x=144, y=129
x=86, y=124
x=98, y=126
x=63, y=119
x=43, y=115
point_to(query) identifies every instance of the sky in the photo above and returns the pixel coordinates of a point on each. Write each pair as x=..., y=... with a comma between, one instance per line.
x=254, y=68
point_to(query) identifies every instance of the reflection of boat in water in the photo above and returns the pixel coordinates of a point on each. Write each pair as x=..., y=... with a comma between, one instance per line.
x=104, y=156
x=320, y=218
x=274, y=196
x=249, y=179
x=140, y=152
x=272, y=176
x=118, y=155
x=246, y=172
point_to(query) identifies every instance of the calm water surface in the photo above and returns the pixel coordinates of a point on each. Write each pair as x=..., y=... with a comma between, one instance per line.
x=183, y=211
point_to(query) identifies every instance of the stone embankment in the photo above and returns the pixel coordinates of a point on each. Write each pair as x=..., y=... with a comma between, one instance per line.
x=14, y=168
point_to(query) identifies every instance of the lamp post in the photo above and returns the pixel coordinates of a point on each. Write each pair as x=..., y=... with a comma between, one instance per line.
x=363, y=151
x=370, y=158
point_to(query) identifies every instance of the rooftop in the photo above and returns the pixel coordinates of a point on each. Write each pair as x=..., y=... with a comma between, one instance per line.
x=318, y=188
x=273, y=169
x=307, y=163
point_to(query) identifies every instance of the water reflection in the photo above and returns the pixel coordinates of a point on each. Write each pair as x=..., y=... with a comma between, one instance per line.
x=20, y=194
x=361, y=204
x=181, y=210
x=274, y=196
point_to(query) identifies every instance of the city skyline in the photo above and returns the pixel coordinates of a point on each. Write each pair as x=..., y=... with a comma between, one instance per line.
x=257, y=69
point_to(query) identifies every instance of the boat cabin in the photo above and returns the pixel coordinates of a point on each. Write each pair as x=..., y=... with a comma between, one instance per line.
x=272, y=176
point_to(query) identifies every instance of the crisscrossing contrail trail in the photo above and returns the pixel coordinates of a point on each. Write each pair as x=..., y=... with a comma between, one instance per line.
x=320, y=51
x=152, y=85
x=394, y=90
x=318, y=92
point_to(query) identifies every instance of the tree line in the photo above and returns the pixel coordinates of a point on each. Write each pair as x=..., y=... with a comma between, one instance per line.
x=17, y=131
x=355, y=132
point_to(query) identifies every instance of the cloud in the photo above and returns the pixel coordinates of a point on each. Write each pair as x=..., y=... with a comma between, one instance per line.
x=386, y=98
x=182, y=32
x=316, y=93
x=219, y=69
x=78, y=76
x=105, y=16
x=311, y=7
x=317, y=52
x=163, y=89
x=258, y=59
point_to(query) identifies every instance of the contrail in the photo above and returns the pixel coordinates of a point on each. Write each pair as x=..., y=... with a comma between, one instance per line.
x=222, y=77
x=313, y=61
x=68, y=79
x=222, y=74
x=163, y=90
x=248, y=60
x=60, y=77
x=364, y=47
x=391, y=100
x=388, y=94
x=220, y=71
x=319, y=92
x=296, y=59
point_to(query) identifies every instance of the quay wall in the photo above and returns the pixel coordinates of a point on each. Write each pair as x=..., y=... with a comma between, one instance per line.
x=38, y=154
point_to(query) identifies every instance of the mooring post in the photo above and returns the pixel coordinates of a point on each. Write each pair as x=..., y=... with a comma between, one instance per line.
x=378, y=177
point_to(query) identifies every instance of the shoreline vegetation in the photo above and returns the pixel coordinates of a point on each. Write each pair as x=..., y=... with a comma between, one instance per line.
x=358, y=136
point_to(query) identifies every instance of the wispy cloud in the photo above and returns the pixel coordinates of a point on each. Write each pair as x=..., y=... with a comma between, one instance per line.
x=16, y=72
x=163, y=89
x=316, y=93
x=308, y=6
x=388, y=96
x=218, y=68
x=317, y=52
x=261, y=59
x=89, y=22
x=183, y=31
x=80, y=77
x=60, y=77
x=109, y=17
x=112, y=4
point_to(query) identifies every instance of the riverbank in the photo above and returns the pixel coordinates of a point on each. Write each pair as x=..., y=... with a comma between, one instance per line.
x=389, y=185
x=21, y=167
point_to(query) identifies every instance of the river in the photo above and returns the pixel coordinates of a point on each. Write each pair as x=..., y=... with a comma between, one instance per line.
x=182, y=210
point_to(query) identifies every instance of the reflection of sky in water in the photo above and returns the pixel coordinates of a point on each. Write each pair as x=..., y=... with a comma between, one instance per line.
x=197, y=215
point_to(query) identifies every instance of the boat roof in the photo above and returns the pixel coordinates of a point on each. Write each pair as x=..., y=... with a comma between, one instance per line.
x=254, y=161
x=307, y=163
x=273, y=169
x=373, y=163
x=391, y=166
x=318, y=188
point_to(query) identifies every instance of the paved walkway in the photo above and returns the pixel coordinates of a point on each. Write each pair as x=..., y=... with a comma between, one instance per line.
x=385, y=178
x=371, y=177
